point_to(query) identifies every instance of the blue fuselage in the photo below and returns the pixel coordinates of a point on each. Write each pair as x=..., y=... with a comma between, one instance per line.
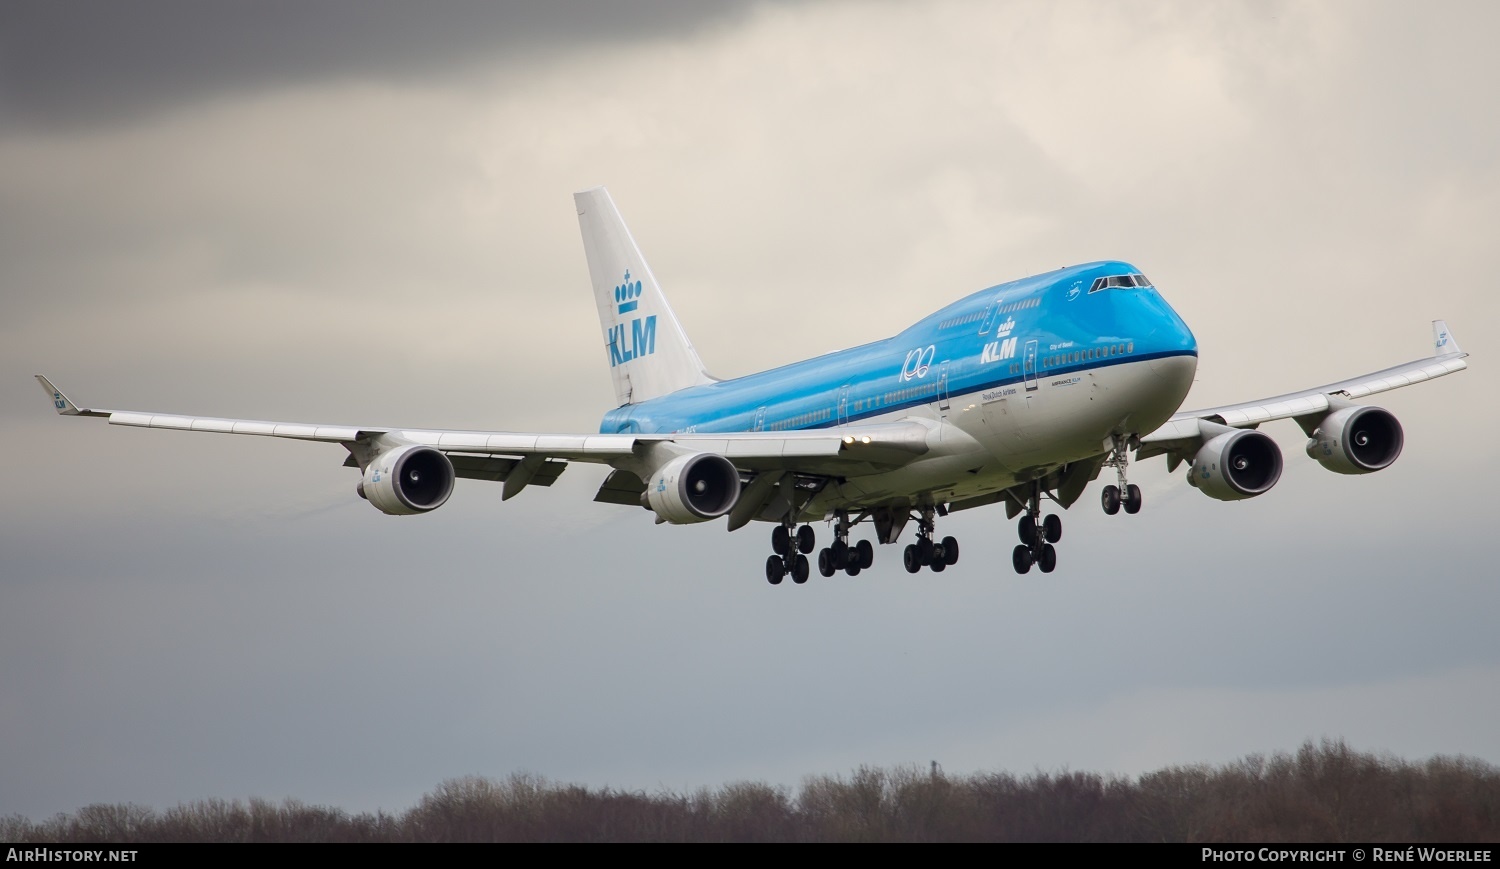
x=1009, y=338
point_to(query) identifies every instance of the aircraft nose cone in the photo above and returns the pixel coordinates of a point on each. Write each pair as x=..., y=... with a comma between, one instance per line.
x=1176, y=371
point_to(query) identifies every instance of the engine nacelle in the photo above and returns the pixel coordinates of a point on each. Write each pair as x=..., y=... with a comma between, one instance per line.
x=407, y=480
x=1236, y=465
x=1357, y=440
x=693, y=488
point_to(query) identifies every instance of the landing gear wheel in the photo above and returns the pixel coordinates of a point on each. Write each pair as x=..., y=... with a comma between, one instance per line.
x=950, y=551
x=780, y=540
x=839, y=552
x=1133, y=499
x=866, y=552
x=801, y=570
x=911, y=558
x=825, y=563
x=924, y=550
x=775, y=569
x=1020, y=559
x=1027, y=530
x=1109, y=499
x=853, y=568
x=1052, y=528
x=806, y=539
x=939, y=565
x=1047, y=561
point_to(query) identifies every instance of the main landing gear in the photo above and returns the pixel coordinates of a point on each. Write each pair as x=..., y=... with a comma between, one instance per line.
x=791, y=552
x=842, y=556
x=1037, y=536
x=1127, y=495
x=792, y=546
x=926, y=553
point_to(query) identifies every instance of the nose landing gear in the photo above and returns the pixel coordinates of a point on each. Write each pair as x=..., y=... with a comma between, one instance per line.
x=1126, y=494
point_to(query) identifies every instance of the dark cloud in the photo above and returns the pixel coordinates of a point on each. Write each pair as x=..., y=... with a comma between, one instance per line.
x=83, y=61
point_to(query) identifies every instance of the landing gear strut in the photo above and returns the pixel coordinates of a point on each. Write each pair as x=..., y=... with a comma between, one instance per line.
x=841, y=555
x=791, y=545
x=1037, y=536
x=1125, y=494
x=925, y=552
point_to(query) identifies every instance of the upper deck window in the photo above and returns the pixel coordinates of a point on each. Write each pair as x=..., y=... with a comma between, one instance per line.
x=1113, y=282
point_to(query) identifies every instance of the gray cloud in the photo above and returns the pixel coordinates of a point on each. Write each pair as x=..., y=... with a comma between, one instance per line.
x=84, y=61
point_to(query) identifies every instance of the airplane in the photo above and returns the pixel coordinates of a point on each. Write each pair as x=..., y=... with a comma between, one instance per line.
x=1021, y=393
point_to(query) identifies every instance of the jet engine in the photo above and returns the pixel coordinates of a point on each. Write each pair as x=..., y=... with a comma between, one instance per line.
x=1357, y=440
x=406, y=480
x=1236, y=465
x=693, y=488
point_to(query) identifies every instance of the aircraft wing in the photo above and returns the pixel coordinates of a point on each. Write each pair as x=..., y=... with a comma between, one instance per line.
x=1188, y=427
x=818, y=451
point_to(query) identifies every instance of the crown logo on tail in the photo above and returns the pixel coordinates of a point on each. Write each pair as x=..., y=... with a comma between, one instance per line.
x=627, y=294
x=639, y=338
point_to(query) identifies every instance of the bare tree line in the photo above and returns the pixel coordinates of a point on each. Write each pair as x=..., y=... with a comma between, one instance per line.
x=1324, y=792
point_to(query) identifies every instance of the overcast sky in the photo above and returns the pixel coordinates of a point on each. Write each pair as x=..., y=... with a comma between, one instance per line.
x=359, y=212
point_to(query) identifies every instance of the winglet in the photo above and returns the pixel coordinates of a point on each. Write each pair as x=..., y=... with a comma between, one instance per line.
x=1442, y=338
x=65, y=405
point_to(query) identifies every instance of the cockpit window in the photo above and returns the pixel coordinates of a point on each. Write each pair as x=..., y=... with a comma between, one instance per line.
x=1119, y=282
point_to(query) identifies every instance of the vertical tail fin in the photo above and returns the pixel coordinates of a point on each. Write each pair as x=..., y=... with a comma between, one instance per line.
x=649, y=354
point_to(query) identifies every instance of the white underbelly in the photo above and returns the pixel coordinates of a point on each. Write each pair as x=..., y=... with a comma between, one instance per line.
x=991, y=440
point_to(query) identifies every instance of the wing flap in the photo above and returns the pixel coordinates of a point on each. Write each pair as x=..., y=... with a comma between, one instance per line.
x=499, y=470
x=621, y=487
x=809, y=447
x=462, y=440
x=1259, y=413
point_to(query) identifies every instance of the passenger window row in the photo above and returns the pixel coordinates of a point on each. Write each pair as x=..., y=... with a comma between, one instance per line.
x=802, y=419
x=921, y=390
x=961, y=321
x=1089, y=354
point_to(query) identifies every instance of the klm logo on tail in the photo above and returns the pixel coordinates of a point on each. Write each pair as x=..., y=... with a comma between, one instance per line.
x=642, y=332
